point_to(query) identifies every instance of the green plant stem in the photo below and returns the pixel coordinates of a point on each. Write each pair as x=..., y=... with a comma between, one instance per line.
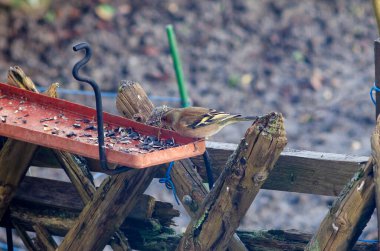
x=185, y=102
x=376, y=9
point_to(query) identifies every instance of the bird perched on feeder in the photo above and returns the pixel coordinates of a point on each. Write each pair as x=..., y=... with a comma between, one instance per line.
x=199, y=122
x=52, y=90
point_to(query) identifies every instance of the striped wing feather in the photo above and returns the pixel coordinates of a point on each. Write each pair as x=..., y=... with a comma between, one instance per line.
x=204, y=117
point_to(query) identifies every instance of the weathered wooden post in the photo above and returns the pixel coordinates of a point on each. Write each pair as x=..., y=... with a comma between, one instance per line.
x=375, y=167
x=351, y=211
x=249, y=166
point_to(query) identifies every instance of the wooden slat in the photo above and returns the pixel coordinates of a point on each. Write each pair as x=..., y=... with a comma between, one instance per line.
x=295, y=171
x=41, y=193
x=298, y=171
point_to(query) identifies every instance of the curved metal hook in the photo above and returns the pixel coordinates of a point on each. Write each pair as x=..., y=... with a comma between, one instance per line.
x=99, y=107
x=82, y=62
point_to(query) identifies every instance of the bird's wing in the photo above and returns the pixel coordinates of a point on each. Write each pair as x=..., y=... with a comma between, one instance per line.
x=210, y=117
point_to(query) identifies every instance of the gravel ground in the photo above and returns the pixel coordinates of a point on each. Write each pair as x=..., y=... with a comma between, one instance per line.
x=310, y=60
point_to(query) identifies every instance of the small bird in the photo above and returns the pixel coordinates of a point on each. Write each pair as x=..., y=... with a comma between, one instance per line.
x=199, y=122
x=52, y=90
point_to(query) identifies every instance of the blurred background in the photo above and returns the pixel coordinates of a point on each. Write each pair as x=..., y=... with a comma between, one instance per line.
x=310, y=60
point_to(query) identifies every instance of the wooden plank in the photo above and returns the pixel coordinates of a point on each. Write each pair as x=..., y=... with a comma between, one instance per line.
x=228, y=201
x=273, y=240
x=301, y=171
x=46, y=193
x=296, y=171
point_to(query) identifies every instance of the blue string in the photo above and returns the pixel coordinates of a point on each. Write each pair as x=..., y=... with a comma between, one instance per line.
x=168, y=181
x=374, y=88
x=369, y=241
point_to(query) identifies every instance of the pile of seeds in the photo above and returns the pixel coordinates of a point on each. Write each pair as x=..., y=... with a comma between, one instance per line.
x=149, y=143
x=124, y=139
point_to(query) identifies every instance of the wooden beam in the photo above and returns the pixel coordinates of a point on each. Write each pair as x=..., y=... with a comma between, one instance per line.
x=15, y=157
x=44, y=239
x=228, y=201
x=116, y=197
x=349, y=214
x=301, y=171
x=45, y=193
x=375, y=144
x=77, y=171
x=24, y=237
x=296, y=171
x=161, y=239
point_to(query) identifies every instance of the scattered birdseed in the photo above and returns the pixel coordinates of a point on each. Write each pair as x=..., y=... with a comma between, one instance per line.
x=46, y=119
x=110, y=134
x=3, y=119
x=90, y=127
x=47, y=129
x=77, y=125
x=24, y=121
x=85, y=135
x=26, y=115
x=70, y=134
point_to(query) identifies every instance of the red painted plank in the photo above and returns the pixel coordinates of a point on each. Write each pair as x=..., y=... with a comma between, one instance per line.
x=46, y=121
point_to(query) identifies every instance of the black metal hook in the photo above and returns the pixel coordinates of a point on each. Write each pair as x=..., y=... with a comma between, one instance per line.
x=99, y=108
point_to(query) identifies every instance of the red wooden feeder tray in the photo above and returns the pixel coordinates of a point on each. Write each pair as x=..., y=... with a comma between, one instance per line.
x=63, y=125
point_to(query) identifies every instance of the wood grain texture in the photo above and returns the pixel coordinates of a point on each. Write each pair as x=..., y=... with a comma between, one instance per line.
x=228, y=201
x=296, y=171
x=24, y=237
x=15, y=158
x=13, y=169
x=43, y=201
x=44, y=239
x=349, y=214
x=375, y=145
x=77, y=171
x=58, y=222
x=192, y=192
x=117, y=196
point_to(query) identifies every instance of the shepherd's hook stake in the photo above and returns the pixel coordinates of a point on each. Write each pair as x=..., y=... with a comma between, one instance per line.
x=99, y=107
